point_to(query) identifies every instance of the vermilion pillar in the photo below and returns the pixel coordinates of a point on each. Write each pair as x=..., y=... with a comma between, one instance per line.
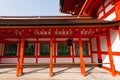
x=36, y=51
x=110, y=54
x=119, y=31
x=82, y=63
x=117, y=10
x=21, y=59
x=55, y=52
x=51, y=57
x=73, y=53
x=99, y=51
x=91, y=50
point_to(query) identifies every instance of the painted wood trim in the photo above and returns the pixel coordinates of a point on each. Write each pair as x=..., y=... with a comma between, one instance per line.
x=98, y=48
x=21, y=59
x=51, y=57
x=106, y=68
x=110, y=54
x=82, y=63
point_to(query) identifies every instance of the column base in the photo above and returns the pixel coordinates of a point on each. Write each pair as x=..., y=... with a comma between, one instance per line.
x=100, y=61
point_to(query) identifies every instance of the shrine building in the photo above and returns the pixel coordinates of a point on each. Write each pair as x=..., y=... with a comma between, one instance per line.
x=90, y=35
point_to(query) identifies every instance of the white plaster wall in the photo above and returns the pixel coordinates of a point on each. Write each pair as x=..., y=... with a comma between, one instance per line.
x=85, y=59
x=29, y=60
x=95, y=57
x=43, y=60
x=94, y=45
x=111, y=17
x=109, y=7
x=100, y=15
x=103, y=43
x=94, y=48
x=9, y=60
x=115, y=41
x=117, y=62
x=58, y=60
x=105, y=59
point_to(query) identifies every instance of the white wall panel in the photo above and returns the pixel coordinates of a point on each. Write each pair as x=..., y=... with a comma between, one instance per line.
x=9, y=60
x=103, y=43
x=94, y=45
x=117, y=62
x=85, y=59
x=105, y=59
x=95, y=57
x=115, y=41
x=100, y=15
x=108, y=8
x=63, y=60
x=43, y=60
x=29, y=60
x=111, y=17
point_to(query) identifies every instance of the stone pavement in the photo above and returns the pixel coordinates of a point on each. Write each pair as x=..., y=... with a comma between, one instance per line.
x=61, y=72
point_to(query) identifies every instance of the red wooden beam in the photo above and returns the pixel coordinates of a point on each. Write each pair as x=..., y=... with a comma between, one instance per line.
x=87, y=5
x=93, y=5
x=48, y=32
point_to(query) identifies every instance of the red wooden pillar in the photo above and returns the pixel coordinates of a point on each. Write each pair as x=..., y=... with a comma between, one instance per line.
x=51, y=57
x=36, y=54
x=17, y=70
x=99, y=51
x=91, y=50
x=18, y=62
x=110, y=54
x=119, y=31
x=117, y=9
x=73, y=53
x=21, y=59
x=55, y=52
x=82, y=63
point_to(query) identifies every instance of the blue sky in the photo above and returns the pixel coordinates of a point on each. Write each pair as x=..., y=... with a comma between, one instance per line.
x=29, y=8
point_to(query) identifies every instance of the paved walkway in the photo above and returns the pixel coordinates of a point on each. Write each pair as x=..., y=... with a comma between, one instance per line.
x=61, y=72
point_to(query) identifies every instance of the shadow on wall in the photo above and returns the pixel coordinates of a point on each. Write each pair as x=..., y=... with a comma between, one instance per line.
x=115, y=42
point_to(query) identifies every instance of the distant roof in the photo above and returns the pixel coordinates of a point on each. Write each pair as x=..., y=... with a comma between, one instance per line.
x=53, y=20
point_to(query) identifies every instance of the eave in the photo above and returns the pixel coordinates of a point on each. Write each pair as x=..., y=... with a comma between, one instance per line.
x=55, y=20
x=81, y=7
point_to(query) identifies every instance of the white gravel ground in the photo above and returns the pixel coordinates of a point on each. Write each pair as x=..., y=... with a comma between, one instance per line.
x=61, y=72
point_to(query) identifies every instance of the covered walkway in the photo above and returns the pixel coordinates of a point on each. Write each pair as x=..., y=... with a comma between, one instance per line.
x=61, y=72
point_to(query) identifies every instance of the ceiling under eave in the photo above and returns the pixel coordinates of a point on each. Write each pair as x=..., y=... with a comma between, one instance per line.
x=80, y=7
